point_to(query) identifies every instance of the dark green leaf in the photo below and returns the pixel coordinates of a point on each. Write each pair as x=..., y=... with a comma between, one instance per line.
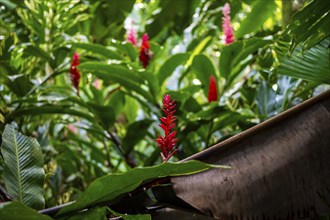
x=18, y=211
x=95, y=213
x=135, y=132
x=99, y=49
x=104, y=114
x=119, y=74
x=23, y=172
x=105, y=189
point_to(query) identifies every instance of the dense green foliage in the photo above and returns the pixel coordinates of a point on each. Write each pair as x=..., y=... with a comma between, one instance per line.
x=111, y=125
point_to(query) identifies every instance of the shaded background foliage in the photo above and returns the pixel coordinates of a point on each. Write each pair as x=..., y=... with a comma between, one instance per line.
x=111, y=126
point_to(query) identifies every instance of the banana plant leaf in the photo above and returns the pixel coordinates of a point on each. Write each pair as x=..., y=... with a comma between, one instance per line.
x=280, y=169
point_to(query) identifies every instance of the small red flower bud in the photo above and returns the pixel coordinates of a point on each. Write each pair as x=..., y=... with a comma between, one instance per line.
x=213, y=93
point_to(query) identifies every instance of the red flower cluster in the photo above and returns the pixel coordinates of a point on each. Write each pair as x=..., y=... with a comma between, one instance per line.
x=74, y=73
x=167, y=143
x=213, y=92
x=145, y=52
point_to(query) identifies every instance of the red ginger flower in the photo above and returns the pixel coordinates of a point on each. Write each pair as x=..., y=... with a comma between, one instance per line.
x=167, y=143
x=226, y=25
x=213, y=92
x=145, y=53
x=74, y=73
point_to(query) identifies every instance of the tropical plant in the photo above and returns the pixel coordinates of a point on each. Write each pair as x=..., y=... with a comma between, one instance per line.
x=92, y=99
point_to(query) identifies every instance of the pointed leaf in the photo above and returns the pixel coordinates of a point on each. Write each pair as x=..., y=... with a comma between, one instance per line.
x=23, y=172
x=105, y=189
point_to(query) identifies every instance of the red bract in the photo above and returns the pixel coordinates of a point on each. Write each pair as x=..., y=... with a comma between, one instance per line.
x=74, y=73
x=167, y=143
x=145, y=53
x=213, y=92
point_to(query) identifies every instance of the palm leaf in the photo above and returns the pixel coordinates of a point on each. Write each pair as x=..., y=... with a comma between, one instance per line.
x=311, y=65
x=23, y=172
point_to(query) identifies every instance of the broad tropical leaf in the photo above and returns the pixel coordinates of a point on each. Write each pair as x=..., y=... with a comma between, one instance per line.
x=107, y=188
x=23, y=171
x=261, y=11
x=17, y=211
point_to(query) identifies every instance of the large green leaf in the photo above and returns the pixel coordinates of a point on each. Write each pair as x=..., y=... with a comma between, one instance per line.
x=99, y=49
x=236, y=56
x=172, y=14
x=261, y=11
x=23, y=172
x=104, y=114
x=170, y=65
x=49, y=109
x=204, y=68
x=103, y=190
x=312, y=64
x=135, y=132
x=18, y=211
x=119, y=74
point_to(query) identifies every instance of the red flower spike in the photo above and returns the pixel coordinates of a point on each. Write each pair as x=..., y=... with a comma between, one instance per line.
x=226, y=25
x=167, y=143
x=213, y=93
x=145, y=52
x=74, y=73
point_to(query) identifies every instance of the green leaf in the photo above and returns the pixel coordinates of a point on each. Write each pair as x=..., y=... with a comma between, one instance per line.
x=310, y=25
x=23, y=172
x=104, y=114
x=266, y=100
x=103, y=190
x=132, y=217
x=235, y=57
x=99, y=49
x=38, y=52
x=18, y=84
x=50, y=109
x=170, y=65
x=95, y=213
x=119, y=74
x=135, y=132
x=204, y=68
x=261, y=11
x=311, y=65
x=18, y=211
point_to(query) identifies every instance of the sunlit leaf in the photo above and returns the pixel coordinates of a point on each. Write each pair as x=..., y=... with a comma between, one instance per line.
x=23, y=171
